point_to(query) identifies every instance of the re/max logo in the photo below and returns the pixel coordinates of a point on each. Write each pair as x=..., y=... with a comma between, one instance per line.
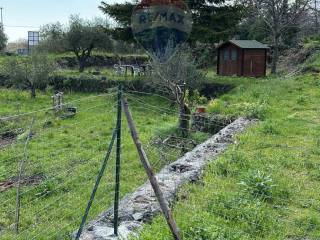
x=161, y=17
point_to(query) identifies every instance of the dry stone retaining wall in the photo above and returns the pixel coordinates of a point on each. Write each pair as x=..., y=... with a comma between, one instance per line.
x=141, y=206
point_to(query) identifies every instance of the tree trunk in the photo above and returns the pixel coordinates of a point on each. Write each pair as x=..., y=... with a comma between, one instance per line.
x=184, y=119
x=275, y=55
x=81, y=65
x=33, y=92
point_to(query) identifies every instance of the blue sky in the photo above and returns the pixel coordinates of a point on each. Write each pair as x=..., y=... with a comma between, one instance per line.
x=30, y=14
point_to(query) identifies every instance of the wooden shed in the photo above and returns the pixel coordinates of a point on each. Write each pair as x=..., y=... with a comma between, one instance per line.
x=242, y=58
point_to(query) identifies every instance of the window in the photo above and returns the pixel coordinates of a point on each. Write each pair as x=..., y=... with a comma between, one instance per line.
x=226, y=54
x=234, y=55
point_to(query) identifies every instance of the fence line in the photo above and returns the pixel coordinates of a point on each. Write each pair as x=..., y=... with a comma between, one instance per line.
x=50, y=108
x=57, y=201
x=45, y=155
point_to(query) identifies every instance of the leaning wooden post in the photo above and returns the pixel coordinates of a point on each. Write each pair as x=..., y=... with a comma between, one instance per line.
x=154, y=183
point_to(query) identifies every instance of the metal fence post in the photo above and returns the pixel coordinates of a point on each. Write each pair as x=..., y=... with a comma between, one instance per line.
x=118, y=163
x=96, y=185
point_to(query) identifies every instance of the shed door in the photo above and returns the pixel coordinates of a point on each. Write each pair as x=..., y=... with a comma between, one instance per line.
x=254, y=63
x=229, y=60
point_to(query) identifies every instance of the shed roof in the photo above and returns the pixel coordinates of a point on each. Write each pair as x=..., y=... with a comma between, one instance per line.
x=247, y=44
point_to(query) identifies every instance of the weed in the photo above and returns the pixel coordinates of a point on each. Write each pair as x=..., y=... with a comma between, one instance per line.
x=258, y=184
x=216, y=106
x=308, y=223
x=269, y=127
x=256, y=110
x=301, y=100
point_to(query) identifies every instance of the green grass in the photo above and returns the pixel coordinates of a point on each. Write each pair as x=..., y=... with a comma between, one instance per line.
x=67, y=154
x=266, y=186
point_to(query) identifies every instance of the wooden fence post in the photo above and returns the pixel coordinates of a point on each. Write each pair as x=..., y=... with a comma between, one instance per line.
x=154, y=183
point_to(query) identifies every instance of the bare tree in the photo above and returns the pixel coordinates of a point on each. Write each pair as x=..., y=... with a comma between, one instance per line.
x=179, y=74
x=279, y=16
x=314, y=11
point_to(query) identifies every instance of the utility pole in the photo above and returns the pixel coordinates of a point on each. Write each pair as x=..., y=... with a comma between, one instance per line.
x=1, y=9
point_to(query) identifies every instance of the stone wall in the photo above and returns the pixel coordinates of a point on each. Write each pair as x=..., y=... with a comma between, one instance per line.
x=141, y=206
x=210, y=123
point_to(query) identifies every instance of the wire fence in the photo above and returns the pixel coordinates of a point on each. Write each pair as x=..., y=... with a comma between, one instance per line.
x=50, y=160
x=55, y=170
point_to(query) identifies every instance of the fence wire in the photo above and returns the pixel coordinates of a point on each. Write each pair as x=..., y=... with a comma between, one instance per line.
x=65, y=153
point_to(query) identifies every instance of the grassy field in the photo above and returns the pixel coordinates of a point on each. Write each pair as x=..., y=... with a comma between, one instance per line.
x=65, y=156
x=267, y=185
x=263, y=187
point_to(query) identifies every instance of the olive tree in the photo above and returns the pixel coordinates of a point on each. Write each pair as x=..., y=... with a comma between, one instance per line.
x=175, y=77
x=30, y=73
x=83, y=37
x=52, y=38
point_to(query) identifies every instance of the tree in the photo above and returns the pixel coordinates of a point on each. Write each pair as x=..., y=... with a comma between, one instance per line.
x=214, y=20
x=121, y=13
x=280, y=18
x=175, y=77
x=83, y=37
x=30, y=73
x=3, y=39
x=52, y=38
x=315, y=9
